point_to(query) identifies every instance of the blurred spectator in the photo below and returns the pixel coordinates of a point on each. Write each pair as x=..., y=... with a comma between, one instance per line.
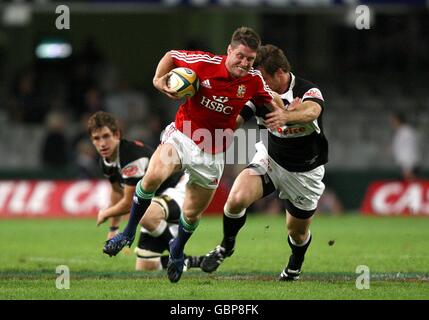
x=86, y=161
x=56, y=103
x=81, y=133
x=84, y=157
x=55, y=145
x=93, y=101
x=166, y=108
x=329, y=203
x=127, y=104
x=80, y=82
x=91, y=55
x=405, y=146
x=25, y=104
x=84, y=77
x=152, y=134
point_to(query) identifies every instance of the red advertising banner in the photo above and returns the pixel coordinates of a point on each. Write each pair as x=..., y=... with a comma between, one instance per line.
x=44, y=198
x=78, y=198
x=387, y=198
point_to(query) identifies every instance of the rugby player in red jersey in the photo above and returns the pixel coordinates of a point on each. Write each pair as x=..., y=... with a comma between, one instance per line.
x=198, y=138
x=291, y=161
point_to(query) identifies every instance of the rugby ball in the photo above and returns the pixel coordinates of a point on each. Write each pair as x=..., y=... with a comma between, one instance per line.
x=184, y=81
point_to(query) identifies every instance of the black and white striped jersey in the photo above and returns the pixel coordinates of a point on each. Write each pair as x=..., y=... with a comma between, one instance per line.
x=296, y=147
x=131, y=164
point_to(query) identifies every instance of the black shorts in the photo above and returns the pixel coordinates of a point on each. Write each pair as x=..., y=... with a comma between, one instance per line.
x=150, y=243
x=169, y=206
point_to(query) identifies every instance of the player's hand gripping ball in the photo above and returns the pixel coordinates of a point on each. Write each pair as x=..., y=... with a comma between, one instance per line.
x=184, y=81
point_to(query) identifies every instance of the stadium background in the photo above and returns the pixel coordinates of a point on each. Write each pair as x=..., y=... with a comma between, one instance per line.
x=364, y=74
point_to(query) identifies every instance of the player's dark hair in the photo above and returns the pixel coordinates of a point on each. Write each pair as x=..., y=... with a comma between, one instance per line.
x=271, y=58
x=247, y=37
x=102, y=119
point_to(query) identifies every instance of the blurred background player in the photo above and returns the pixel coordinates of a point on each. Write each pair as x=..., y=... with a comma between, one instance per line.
x=292, y=162
x=199, y=137
x=124, y=163
x=405, y=146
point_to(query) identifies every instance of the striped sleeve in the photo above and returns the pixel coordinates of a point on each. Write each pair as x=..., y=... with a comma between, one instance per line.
x=264, y=94
x=182, y=58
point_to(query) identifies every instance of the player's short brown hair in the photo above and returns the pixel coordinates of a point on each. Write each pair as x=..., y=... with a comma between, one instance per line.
x=102, y=119
x=247, y=37
x=271, y=58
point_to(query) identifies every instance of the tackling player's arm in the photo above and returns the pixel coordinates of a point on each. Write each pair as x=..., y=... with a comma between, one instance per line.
x=298, y=112
x=276, y=103
x=119, y=208
x=162, y=74
x=246, y=113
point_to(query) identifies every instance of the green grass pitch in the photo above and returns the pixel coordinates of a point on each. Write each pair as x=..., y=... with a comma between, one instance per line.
x=394, y=249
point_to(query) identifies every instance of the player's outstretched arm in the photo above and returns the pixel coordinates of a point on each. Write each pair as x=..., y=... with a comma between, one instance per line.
x=276, y=103
x=298, y=112
x=276, y=106
x=120, y=207
x=162, y=74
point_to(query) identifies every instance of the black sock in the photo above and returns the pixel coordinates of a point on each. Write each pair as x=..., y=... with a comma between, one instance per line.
x=141, y=202
x=298, y=253
x=231, y=227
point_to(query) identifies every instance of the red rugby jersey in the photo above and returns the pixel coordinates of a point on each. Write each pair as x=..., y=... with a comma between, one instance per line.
x=220, y=98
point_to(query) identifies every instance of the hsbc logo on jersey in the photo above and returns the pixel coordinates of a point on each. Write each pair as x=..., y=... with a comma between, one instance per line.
x=221, y=99
x=313, y=93
x=217, y=104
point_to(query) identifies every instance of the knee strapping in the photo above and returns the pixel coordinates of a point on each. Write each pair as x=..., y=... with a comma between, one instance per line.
x=233, y=216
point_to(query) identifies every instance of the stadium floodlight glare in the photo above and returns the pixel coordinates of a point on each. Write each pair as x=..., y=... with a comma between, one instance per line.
x=53, y=50
x=16, y=15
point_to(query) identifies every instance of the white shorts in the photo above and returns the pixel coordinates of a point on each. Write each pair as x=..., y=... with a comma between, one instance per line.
x=204, y=169
x=302, y=189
